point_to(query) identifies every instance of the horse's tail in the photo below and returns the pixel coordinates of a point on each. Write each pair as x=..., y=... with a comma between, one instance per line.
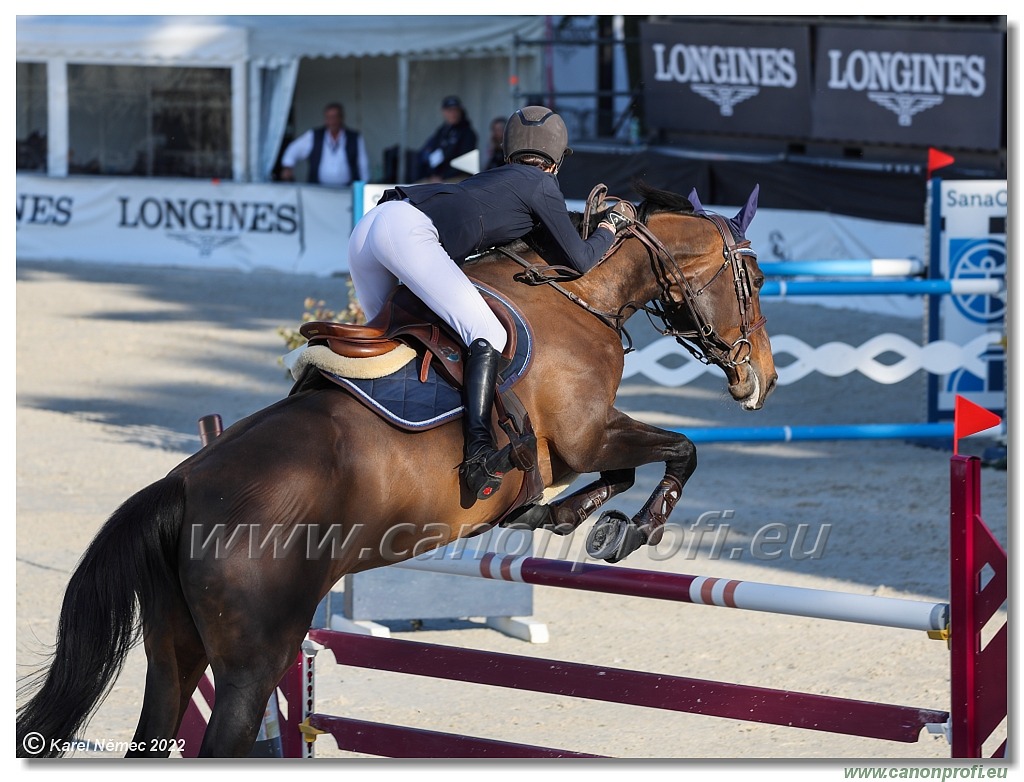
x=110, y=595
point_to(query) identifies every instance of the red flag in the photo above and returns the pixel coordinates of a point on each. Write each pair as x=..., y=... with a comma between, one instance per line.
x=938, y=159
x=969, y=418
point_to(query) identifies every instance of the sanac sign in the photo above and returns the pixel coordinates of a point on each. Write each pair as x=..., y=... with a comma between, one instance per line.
x=733, y=78
x=907, y=86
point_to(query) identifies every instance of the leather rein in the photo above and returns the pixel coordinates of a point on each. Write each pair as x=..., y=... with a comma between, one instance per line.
x=703, y=342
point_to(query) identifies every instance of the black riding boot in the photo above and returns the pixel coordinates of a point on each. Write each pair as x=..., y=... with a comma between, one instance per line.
x=484, y=466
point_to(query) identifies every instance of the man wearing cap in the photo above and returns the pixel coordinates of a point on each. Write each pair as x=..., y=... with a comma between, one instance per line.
x=453, y=138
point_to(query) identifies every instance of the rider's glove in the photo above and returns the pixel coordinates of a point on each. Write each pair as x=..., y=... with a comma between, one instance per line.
x=621, y=215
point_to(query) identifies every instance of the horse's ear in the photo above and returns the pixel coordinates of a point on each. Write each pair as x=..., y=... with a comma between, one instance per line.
x=698, y=208
x=746, y=214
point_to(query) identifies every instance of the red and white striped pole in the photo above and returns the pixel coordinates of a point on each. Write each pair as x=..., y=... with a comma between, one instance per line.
x=702, y=590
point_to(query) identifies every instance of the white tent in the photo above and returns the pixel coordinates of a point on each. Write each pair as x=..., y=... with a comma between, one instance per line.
x=390, y=72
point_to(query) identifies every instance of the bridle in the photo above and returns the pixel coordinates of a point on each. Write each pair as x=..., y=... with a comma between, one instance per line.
x=703, y=341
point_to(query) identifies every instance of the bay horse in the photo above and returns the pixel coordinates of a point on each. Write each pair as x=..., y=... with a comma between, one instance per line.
x=319, y=462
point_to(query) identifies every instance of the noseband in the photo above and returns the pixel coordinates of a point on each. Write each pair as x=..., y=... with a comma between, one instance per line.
x=703, y=342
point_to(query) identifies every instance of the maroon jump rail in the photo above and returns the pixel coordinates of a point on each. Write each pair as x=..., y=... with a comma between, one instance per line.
x=636, y=688
x=397, y=741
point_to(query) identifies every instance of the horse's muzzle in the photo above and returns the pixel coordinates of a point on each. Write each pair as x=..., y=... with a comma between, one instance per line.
x=750, y=389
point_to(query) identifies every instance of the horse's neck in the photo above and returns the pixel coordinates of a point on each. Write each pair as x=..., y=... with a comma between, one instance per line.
x=623, y=277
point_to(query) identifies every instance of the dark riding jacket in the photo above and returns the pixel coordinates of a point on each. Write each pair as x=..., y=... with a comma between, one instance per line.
x=496, y=207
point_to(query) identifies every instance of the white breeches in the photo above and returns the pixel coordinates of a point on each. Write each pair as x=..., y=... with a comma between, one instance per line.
x=396, y=242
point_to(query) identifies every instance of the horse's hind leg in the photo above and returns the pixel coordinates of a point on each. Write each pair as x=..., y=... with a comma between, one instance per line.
x=242, y=696
x=244, y=683
x=251, y=642
x=176, y=662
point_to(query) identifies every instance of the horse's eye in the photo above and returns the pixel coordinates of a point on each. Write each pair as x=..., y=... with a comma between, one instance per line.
x=759, y=281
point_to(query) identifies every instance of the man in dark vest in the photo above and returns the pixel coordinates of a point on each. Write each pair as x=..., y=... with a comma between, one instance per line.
x=337, y=155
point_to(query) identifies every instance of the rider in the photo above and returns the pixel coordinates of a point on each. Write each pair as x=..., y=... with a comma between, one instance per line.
x=421, y=235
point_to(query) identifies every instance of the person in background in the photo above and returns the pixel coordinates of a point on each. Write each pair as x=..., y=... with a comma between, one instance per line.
x=455, y=137
x=422, y=234
x=495, y=150
x=337, y=155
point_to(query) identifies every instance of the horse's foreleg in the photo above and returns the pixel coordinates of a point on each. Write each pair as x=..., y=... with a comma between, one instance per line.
x=626, y=444
x=565, y=514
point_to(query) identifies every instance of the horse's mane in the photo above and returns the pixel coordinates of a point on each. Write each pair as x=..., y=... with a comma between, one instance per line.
x=654, y=200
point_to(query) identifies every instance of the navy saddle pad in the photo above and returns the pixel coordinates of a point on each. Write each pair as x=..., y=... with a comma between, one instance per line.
x=404, y=401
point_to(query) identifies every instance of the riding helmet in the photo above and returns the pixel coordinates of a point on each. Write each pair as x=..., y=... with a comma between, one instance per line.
x=539, y=130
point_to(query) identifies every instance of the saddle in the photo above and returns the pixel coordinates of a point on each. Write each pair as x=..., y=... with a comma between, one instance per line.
x=406, y=320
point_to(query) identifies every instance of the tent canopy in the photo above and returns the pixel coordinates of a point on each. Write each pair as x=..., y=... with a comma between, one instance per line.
x=152, y=40
x=359, y=36
x=265, y=39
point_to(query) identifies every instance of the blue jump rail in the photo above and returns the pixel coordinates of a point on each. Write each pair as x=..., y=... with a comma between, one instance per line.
x=790, y=434
x=863, y=267
x=959, y=287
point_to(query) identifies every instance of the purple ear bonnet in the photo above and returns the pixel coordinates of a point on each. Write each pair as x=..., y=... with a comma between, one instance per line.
x=742, y=219
x=739, y=223
x=697, y=207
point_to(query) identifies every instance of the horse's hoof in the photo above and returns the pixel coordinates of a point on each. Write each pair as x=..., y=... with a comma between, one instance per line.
x=613, y=537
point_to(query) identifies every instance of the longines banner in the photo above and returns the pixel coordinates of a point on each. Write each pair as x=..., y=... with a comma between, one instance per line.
x=183, y=223
x=867, y=84
x=731, y=78
x=919, y=88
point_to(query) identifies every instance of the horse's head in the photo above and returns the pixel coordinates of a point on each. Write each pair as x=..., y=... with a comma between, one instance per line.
x=710, y=282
